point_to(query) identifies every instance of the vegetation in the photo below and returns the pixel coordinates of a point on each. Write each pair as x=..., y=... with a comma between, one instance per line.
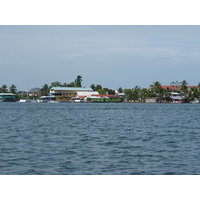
x=136, y=94
x=101, y=90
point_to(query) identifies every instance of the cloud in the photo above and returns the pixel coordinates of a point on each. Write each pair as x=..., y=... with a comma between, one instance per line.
x=113, y=52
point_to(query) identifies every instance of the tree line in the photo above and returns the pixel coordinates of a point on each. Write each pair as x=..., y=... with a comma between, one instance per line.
x=135, y=94
x=12, y=89
x=156, y=90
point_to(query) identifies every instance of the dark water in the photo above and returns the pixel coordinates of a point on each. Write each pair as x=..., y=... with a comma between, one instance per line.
x=39, y=138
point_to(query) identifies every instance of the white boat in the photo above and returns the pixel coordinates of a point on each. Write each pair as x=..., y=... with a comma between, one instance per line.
x=24, y=100
x=196, y=101
x=53, y=101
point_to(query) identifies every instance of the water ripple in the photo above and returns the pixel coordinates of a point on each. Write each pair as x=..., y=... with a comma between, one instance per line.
x=99, y=139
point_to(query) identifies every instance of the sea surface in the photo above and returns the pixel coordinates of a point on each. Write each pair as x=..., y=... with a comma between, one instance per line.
x=99, y=138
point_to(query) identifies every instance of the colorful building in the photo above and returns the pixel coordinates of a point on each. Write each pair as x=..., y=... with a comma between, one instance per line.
x=7, y=97
x=80, y=97
x=66, y=93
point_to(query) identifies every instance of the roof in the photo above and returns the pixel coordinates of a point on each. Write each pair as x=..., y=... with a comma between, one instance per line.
x=87, y=93
x=7, y=94
x=80, y=96
x=72, y=88
x=176, y=97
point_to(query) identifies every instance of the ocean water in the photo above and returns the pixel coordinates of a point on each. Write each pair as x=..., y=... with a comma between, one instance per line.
x=99, y=138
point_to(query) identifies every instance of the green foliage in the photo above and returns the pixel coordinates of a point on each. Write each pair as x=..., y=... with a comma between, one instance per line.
x=93, y=87
x=4, y=89
x=109, y=91
x=137, y=94
x=96, y=88
x=184, y=87
x=45, y=90
x=78, y=81
x=56, y=84
x=129, y=94
x=157, y=89
x=101, y=91
x=120, y=90
x=13, y=89
x=72, y=84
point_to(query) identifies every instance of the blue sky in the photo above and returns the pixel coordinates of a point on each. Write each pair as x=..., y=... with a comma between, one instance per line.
x=113, y=56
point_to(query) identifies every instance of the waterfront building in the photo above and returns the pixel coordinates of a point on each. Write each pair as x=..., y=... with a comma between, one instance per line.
x=7, y=97
x=66, y=93
x=174, y=98
x=81, y=96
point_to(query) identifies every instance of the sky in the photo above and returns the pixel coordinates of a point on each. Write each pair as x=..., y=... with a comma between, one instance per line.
x=110, y=55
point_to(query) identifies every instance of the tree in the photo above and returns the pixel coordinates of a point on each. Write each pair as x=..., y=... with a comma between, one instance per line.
x=120, y=90
x=13, y=89
x=157, y=88
x=177, y=83
x=143, y=94
x=78, y=81
x=101, y=91
x=135, y=93
x=56, y=84
x=129, y=94
x=72, y=84
x=98, y=87
x=184, y=87
x=110, y=91
x=45, y=90
x=4, y=89
x=172, y=83
x=65, y=85
x=93, y=87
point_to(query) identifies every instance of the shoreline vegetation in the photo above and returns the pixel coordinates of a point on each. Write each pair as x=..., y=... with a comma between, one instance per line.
x=156, y=92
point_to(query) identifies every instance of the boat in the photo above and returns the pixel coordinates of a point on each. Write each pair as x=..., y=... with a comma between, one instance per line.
x=53, y=101
x=196, y=101
x=24, y=100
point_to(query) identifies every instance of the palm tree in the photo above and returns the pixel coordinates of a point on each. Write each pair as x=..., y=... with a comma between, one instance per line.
x=4, y=89
x=136, y=91
x=184, y=87
x=157, y=88
x=45, y=90
x=144, y=93
x=78, y=81
x=13, y=89
x=172, y=83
